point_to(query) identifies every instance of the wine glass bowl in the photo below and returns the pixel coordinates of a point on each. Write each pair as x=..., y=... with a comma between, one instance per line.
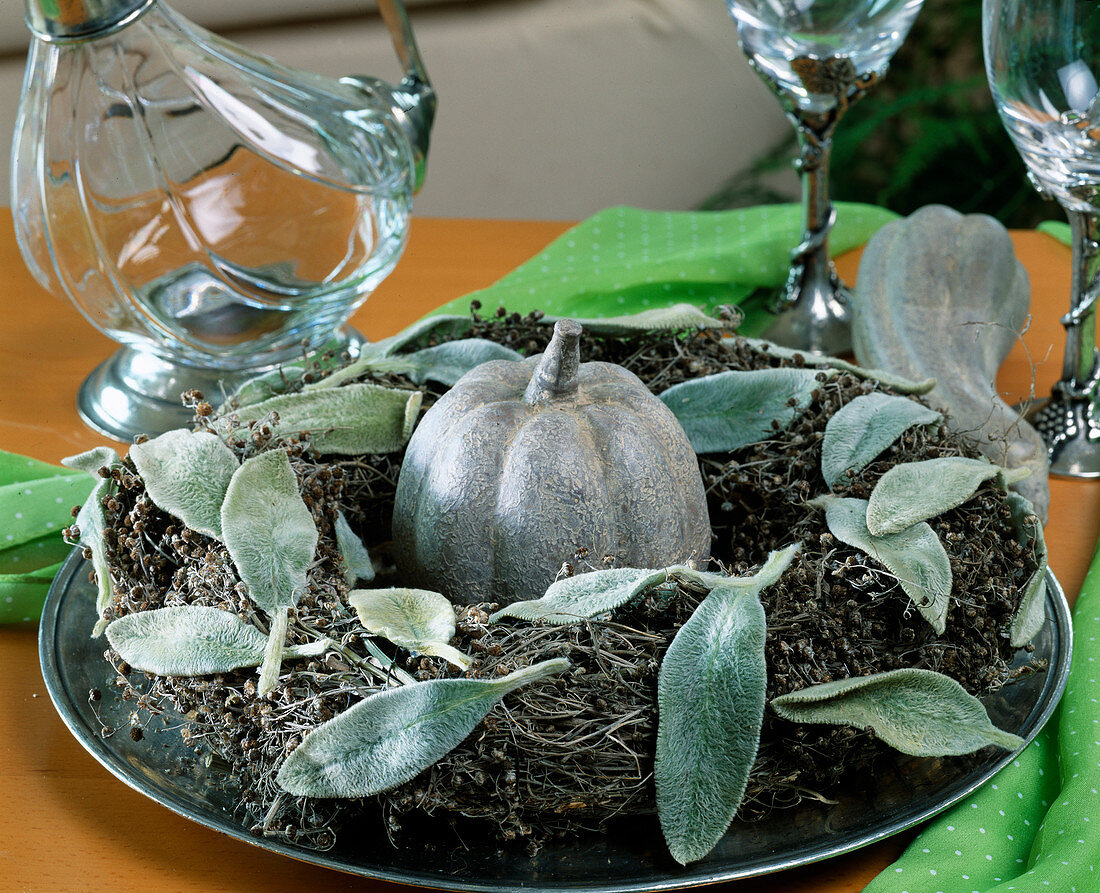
x=818, y=57
x=854, y=38
x=1042, y=59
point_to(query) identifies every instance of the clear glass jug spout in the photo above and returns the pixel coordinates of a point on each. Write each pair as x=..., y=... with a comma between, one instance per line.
x=211, y=210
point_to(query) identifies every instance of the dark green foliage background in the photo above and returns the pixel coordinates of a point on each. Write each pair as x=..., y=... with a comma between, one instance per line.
x=927, y=133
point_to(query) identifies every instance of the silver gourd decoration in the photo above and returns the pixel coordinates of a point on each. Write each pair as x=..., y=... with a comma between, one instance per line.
x=523, y=464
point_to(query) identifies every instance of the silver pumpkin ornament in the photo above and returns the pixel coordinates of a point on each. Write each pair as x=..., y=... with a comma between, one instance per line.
x=523, y=464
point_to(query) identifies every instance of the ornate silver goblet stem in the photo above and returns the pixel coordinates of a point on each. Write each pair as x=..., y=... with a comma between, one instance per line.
x=812, y=310
x=1067, y=420
x=818, y=57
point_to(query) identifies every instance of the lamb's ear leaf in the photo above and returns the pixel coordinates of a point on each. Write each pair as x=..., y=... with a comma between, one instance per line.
x=194, y=640
x=710, y=702
x=446, y=363
x=733, y=409
x=268, y=530
x=357, y=560
x=1031, y=613
x=919, y=712
x=584, y=596
x=863, y=428
x=350, y=420
x=186, y=474
x=414, y=619
x=916, y=491
x=272, y=663
x=915, y=555
x=92, y=523
x=263, y=387
x=676, y=317
x=882, y=376
x=391, y=736
x=190, y=640
x=92, y=460
x=370, y=354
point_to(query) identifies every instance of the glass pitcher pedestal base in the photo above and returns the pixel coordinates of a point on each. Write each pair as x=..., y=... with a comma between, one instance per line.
x=134, y=392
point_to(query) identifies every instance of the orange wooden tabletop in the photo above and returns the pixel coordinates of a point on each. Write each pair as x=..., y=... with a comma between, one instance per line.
x=67, y=824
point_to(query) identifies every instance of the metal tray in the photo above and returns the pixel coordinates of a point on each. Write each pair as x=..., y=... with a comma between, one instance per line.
x=632, y=857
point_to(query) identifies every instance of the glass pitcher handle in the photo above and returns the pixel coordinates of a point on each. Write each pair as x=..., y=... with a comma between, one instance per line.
x=396, y=18
x=414, y=99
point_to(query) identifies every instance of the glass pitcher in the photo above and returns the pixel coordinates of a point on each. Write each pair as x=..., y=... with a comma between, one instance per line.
x=216, y=213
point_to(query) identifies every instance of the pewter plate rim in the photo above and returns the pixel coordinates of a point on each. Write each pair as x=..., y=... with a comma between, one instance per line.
x=627, y=863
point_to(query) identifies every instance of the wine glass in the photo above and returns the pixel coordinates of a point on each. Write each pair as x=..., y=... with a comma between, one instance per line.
x=818, y=57
x=1042, y=59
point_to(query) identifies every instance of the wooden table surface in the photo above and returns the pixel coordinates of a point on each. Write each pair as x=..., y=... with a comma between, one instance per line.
x=67, y=824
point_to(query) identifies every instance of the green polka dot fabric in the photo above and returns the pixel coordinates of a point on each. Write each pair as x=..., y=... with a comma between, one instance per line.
x=36, y=502
x=1035, y=826
x=626, y=260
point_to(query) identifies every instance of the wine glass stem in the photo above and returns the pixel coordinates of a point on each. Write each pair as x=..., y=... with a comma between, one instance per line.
x=815, y=144
x=1079, y=364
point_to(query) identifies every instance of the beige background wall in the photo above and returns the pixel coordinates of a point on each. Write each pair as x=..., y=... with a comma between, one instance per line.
x=548, y=108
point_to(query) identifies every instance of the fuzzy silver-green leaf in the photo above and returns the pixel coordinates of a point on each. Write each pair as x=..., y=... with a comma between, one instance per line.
x=446, y=363
x=263, y=387
x=588, y=595
x=392, y=735
x=883, y=376
x=357, y=560
x=186, y=641
x=268, y=530
x=186, y=474
x=674, y=318
x=919, y=712
x=734, y=409
x=92, y=460
x=194, y=640
x=1031, y=613
x=370, y=354
x=272, y=662
x=92, y=523
x=710, y=703
x=417, y=620
x=916, y=491
x=915, y=555
x=350, y=420
x=584, y=596
x=863, y=428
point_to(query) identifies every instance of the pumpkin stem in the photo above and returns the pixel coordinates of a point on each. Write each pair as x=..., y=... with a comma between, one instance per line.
x=556, y=373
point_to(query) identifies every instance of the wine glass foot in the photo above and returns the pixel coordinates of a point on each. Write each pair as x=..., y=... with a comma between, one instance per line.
x=814, y=315
x=134, y=392
x=1070, y=427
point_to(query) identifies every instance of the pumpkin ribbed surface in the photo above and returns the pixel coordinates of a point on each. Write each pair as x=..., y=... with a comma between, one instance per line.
x=522, y=464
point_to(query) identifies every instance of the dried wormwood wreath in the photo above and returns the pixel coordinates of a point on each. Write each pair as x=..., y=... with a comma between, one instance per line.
x=576, y=749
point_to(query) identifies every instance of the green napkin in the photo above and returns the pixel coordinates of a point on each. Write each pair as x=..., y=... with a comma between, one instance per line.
x=1057, y=229
x=1036, y=824
x=626, y=260
x=36, y=502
